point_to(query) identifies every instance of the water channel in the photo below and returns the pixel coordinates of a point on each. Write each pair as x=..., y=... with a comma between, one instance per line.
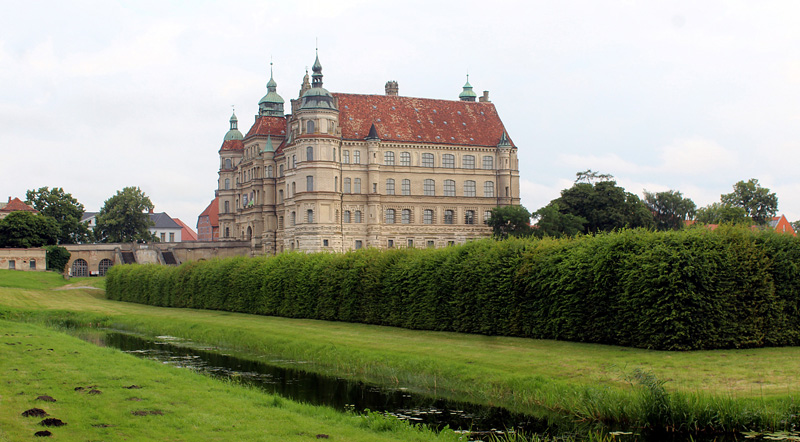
x=347, y=395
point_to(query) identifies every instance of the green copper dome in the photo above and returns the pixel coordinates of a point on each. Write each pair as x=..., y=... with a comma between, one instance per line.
x=272, y=103
x=317, y=97
x=467, y=94
x=234, y=133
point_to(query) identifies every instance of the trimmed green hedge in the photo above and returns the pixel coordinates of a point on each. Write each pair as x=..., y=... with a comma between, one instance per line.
x=686, y=290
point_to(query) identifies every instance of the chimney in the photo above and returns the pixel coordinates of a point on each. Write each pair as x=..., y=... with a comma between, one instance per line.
x=484, y=98
x=392, y=88
x=151, y=211
x=9, y=199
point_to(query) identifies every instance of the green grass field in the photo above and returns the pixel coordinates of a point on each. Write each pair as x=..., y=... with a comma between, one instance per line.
x=724, y=389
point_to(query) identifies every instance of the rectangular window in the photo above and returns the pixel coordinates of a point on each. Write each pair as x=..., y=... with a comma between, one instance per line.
x=391, y=243
x=12, y=265
x=309, y=183
x=390, y=186
x=346, y=156
x=410, y=243
x=324, y=243
x=346, y=217
x=427, y=160
x=429, y=187
x=488, y=162
x=358, y=244
x=469, y=188
x=449, y=188
x=33, y=264
x=405, y=158
x=488, y=188
x=358, y=216
x=388, y=158
x=163, y=237
x=469, y=162
x=405, y=217
x=357, y=185
x=406, y=187
x=448, y=161
x=427, y=216
x=451, y=243
x=389, y=216
x=346, y=188
x=430, y=243
x=469, y=217
x=356, y=157
x=171, y=236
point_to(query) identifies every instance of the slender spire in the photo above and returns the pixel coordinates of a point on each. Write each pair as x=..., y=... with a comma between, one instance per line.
x=373, y=133
x=316, y=77
x=272, y=103
x=269, y=147
x=504, y=141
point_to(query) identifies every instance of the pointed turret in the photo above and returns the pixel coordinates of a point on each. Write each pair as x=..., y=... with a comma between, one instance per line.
x=467, y=94
x=373, y=133
x=317, y=97
x=268, y=147
x=272, y=103
x=305, y=86
x=233, y=133
x=504, y=141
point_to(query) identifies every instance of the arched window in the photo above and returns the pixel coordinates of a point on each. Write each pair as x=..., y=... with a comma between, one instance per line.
x=388, y=158
x=294, y=189
x=356, y=157
x=488, y=188
x=294, y=161
x=80, y=268
x=390, y=186
x=310, y=126
x=488, y=162
x=448, y=160
x=280, y=170
x=293, y=218
x=346, y=186
x=405, y=216
x=280, y=195
x=280, y=222
x=469, y=188
x=228, y=164
x=346, y=217
x=103, y=267
x=227, y=232
x=227, y=183
x=227, y=207
x=427, y=160
x=310, y=215
x=389, y=216
x=346, y=156
x=309, y=153
x=448, y=217
x=336, y=184
x=427, y=216
x=469, y=162
x=358, y=216
x=469, y=217
x=269, y=171
x=357, y=185
x=406, y=187
x=310, y=183
x=449, y=188
x=487, y=215
x=405, y=158
x=429, y=187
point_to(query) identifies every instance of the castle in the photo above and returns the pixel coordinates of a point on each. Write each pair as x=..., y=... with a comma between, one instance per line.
x=345, y=171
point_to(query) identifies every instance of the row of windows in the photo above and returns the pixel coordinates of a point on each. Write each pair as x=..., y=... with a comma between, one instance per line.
x=390, y=216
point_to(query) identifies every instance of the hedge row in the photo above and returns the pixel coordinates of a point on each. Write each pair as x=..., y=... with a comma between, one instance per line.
x=693, y=289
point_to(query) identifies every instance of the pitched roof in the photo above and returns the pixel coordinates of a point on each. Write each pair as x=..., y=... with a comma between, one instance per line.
x=266, y=125
x=163, y=221
x=15, y=205
x=420, y=120
x=187, y=234
x=232, y=145
x=87, y=215
x=212, y=211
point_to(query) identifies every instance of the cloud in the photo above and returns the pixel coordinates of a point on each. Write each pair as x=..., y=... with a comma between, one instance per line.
x=697, y=156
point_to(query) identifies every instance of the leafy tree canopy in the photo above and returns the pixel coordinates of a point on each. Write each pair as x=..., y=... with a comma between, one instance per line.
x=551, y=222
x=124, y=217
x=508, y=221
x=758, y=203
x=57, y=258
x=27, y=229
x=670, y=209
x=603, y=205
x=64, y=209
x=721, y=213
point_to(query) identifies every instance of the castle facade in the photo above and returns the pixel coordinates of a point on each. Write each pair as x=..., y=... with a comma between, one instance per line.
x=345, y=171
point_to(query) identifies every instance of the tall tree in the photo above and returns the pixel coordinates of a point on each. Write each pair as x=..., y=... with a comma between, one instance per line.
x=604, y=205
x=551, y=222
x=670, y=209
x=27, y=229
x=64, y=209
x=508, y=221
x=758, y=203
x=721, y=213
x=124, y=217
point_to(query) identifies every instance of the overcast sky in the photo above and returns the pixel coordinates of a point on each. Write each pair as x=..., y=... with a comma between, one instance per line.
x=686, y=95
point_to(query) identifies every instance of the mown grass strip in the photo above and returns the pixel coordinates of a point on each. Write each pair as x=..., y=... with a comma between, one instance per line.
x=102, y=394
x=726, y=389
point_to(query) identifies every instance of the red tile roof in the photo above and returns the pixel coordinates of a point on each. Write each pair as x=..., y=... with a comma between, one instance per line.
x=232, y=145
x=187, y=234
x=275, y=126
x=212, y=212
x=15, y=205
x=420, y=120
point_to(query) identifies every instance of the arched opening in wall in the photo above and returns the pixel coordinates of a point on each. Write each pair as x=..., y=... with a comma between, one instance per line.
x=249, y=233
x=227, y=232
x=104, y=266
x=80, y=268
